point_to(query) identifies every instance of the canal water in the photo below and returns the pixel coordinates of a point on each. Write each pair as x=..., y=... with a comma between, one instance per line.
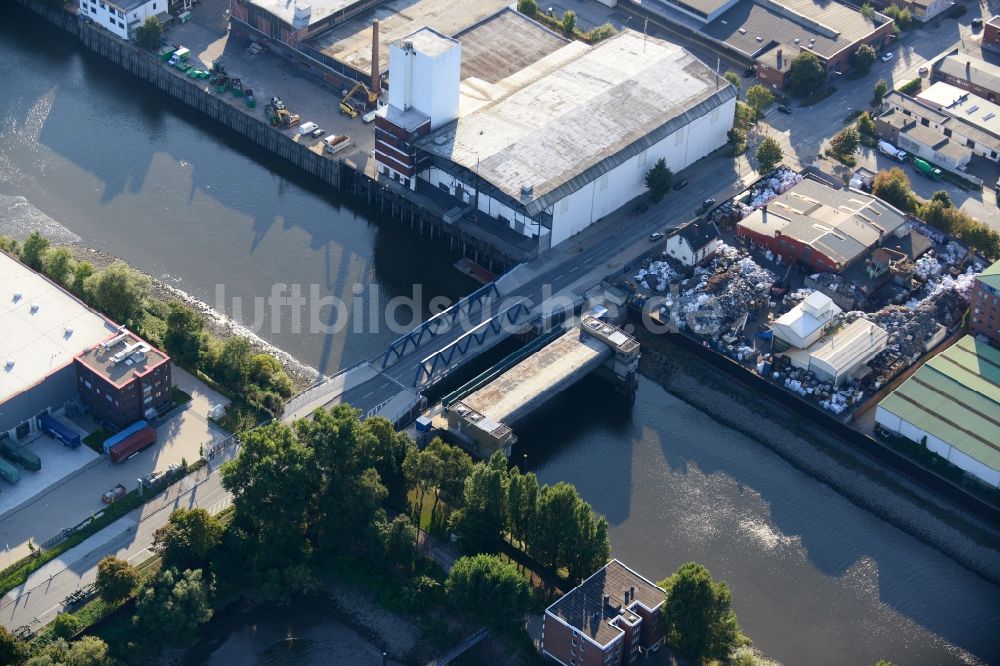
x=816, y=579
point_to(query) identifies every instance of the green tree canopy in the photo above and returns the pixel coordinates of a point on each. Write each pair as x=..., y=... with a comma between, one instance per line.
x=66, y=625
x=120, y=292
x=33, y=250
x=568, y=22
x=12, y=650
x=527, y=7
x=479, y=523
x=659, y=179
x=149, y=34
x=185, y=336
x=881, y=88
x=943, y=197
x=58, y=264
x=759, y=98
x=171, y=609
x=489, y=587
x=893, y=186
x=868, y=11
x=806, y=74
x=188, y=538
x=399, y=543
x=87, y=651
x=233, y=364
x=115, y=579
x=863, y=58
x=698, y=616
x=845, y=142
x=866, y=125
x=734, y=79
x=769, y=155
x=82, y=271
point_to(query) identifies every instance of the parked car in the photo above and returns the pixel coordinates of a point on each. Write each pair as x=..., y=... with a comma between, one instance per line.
x=922, y=70
x=115, y=493
x=681, y=184
x=886, y=57
x=784, y=108
x=708, y=203
x=317, y=133
x=655, y=236
x=977, y=22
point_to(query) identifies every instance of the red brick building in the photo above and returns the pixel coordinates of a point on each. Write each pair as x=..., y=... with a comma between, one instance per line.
x=991, y=34
x=607, y=620
x=985, y=306
x=123, y=379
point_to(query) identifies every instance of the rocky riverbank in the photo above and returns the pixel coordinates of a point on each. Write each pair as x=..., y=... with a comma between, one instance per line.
x=816, y=451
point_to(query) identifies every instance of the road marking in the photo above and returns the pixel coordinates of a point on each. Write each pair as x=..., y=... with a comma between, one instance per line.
x=147, y=552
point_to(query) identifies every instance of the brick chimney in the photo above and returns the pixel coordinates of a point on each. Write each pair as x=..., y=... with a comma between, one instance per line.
x=376, y=86
x=779, y=59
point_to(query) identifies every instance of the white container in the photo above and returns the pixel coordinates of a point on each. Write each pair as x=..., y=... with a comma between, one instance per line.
x=306, y=128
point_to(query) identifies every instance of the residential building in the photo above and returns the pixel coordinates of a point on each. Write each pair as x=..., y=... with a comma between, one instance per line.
x=554, y=147
x=773, y=32
x=951, y=405
x=122, y=17
x=921, y=10
x=804, y=324
x=985, y=307
x=991, y=34
x=693, y=243
x=842, y=355
x=607, y=620
x=970, y=74
x=967, y=120
x=825, y=228
x=123, y=379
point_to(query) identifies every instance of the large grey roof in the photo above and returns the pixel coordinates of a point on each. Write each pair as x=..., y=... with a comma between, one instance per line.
x=975, y=71
x=504, y=43
x=581, y=118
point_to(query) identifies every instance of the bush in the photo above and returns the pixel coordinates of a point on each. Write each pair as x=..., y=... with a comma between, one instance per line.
x=66, y=625
x=488, y=587
x=528, y=7
x=910, y=87
x=600, y=33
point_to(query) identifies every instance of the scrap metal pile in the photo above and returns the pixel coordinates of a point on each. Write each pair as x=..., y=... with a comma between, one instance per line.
x=657, y=276
x=719, y=298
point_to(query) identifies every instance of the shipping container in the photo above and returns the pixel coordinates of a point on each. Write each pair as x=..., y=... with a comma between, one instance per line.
x=20, y=455
x=132, y=444
x=58, y=430
x=9, y=473
x=123, y=434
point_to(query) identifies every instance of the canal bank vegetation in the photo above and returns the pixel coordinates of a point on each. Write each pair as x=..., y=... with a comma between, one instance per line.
x=257, y=383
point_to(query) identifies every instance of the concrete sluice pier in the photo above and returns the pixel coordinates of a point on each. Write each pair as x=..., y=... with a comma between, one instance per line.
x=482, y=418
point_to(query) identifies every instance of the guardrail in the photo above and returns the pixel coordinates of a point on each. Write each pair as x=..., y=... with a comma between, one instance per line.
x=297, y=402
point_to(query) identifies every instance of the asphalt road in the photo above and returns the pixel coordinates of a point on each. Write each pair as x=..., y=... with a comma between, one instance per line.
x=38, y=601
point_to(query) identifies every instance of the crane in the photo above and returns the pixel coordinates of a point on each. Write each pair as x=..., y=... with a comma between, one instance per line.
x=345, y=104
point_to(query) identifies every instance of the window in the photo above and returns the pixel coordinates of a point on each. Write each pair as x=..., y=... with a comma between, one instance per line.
x=102, y=6
x=108, y=396
x=970, y=143
x=87, y=384
x=22, y=429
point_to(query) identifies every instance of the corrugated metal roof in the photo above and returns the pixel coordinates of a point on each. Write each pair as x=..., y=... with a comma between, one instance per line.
x=956, y=397
x=581, y=119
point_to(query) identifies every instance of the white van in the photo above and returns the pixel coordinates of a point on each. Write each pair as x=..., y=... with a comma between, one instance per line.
x=306, y=128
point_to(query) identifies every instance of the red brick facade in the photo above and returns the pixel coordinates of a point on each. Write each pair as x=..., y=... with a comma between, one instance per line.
x=984, y=312
x=991, y=34
x=791, y=249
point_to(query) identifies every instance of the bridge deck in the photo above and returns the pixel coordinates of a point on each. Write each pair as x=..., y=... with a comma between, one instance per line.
x=538, y=377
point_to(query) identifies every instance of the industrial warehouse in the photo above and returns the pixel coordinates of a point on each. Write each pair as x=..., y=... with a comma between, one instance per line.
x=552, y=148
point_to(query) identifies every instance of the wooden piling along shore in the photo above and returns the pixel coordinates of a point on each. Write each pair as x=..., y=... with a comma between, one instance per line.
x=336, y=173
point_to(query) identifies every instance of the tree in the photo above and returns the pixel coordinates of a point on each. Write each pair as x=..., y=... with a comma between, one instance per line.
x=863, y=59
x=12, y=650
x=735, y=80
x=172, y=608
x=943, y=197
x=768, y=155
x=567, y=533
x=82, y=271
x=868, y=11
x=659, y=179
x=527, y=7
x=866, y=125
x=806, y=74
x=759, y=98
x=399, y=543
x=901, y=16
x=697, y=615
x=188, y=538
x=58, y=264
x=33, y=250
x=66, y=625
x=881, y=88
x=845, y=142
x=120, y=291
x=149, y=34
x=568, y=22
x=185, y=336
x=423, y=472
x=115, y=579
x=479, y=523
x=455, y=465
x=489, y=587
x=893, y=186
x=233, y=364
x=87, y=651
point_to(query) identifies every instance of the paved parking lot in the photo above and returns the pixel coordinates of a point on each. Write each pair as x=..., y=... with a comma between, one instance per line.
x=56, y=503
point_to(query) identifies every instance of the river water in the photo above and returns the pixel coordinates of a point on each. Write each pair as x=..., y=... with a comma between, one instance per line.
x=816, y=579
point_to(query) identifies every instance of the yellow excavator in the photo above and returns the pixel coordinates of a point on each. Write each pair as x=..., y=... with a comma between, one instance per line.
x=345, y=104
